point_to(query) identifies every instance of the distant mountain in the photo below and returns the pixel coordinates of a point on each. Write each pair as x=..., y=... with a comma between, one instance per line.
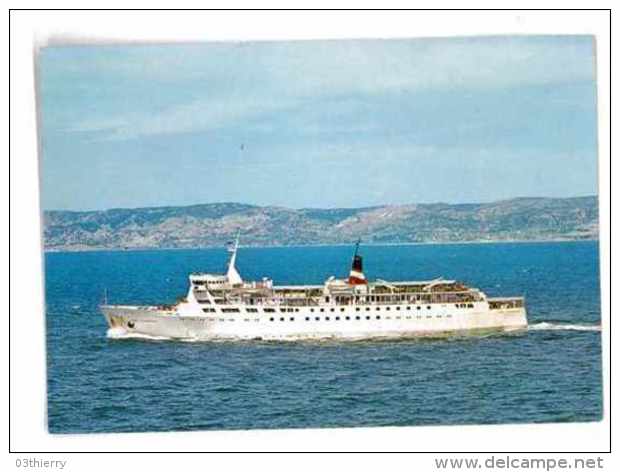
x=213, y=224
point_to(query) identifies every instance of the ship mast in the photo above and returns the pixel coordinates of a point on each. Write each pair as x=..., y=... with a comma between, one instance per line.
x=233, y=276
x=357, y=247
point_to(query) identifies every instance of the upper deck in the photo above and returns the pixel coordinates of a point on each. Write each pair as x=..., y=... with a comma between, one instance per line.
x=231, y=289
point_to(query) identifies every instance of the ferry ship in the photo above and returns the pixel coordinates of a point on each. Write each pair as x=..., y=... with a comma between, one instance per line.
x=224, y=306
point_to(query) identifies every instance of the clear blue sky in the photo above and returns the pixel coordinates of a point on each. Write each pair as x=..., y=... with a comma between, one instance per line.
x=318, y=124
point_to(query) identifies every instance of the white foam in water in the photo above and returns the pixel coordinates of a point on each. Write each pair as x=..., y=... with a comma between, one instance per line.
x=565, y=327
x=121, y=333
x=116, y=333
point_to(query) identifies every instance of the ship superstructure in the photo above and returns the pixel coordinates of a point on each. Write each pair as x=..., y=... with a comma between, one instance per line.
x=225, y=306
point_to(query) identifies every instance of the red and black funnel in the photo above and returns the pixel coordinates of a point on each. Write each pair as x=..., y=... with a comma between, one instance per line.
x=356, y=276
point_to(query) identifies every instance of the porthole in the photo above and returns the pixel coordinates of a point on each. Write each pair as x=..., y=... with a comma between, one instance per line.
x=327, y=318
x=307, y=318
x=317, y=318
x=357, y=317
x=281, y=319
x=378, y=317
x=347, y=318
x=270, y=319
x=130, y=324
x=368, y=317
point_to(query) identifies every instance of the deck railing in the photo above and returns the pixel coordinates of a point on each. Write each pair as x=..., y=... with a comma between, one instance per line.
x=443, y=298
x=505, y=303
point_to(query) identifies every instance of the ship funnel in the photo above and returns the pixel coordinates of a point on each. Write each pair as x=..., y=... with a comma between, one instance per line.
x=356, y=276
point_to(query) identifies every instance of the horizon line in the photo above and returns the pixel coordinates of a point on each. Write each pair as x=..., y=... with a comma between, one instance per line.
x=44, y=210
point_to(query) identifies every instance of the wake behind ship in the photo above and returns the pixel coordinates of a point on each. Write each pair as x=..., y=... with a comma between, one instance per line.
x=227, y=307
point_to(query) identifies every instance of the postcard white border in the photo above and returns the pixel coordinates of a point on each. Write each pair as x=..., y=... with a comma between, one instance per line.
x=28, y=431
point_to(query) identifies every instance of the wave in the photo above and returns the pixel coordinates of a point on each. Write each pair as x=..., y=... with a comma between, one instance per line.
x=545, y=326
x=121, y=333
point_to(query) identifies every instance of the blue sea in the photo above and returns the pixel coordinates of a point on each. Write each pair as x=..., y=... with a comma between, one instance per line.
x=550, y=372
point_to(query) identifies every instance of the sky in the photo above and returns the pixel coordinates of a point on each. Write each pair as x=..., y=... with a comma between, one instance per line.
x=321, y=124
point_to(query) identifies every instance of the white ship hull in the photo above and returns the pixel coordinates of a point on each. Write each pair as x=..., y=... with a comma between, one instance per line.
x=385, y=321
x=226, y=307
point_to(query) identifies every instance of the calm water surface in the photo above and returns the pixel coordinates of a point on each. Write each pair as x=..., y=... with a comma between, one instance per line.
x=549, y=373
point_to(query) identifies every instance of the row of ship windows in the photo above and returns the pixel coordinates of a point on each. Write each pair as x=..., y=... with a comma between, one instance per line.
x=291, y=310
x=338, y=318
x=348, y=318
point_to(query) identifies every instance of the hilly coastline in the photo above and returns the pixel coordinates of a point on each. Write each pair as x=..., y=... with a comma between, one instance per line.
x=212, y=224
